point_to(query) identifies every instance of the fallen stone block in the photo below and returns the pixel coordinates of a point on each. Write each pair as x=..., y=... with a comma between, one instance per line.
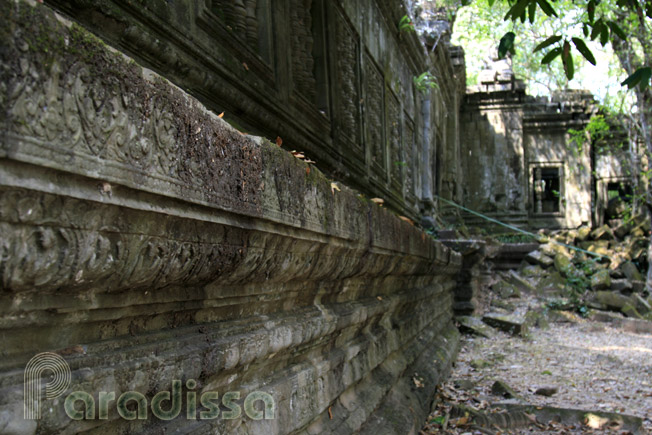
x=551, y=249
x=623, y=323
x=630, y=311
x=621, y=285
x=507, y=306
x=612, y=300
x=562, y=264
x=616, y=273
x=623, y=229
x=519, y=282
x=601, y=280
x=631, y=271
x=602, y=233
x=536, y=318
x=474, y=325
x=552, y=284
x=506, y=290
x=583, y=233
x=638, y=286
x=641, y=305
x=546, y=391
x=532, y=271
x=539, y=258
x=480, y=363
x=510, y=324
x=590, y=420
x=638, y=232
x=557, y=316
x=500, y=388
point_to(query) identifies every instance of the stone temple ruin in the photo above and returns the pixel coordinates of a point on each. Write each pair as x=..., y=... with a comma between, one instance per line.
x=156, y=239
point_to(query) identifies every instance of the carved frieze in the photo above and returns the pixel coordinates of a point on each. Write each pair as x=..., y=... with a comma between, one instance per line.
x=409, y=142
x=346, y=73
x=396, y=154
x=374, y=109
x=303, y=76
x=240, y=17
x=105, y=117
x=245, y=28
x=53, y=241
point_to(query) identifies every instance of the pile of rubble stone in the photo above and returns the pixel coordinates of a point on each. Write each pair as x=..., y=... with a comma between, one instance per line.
x=608, y=263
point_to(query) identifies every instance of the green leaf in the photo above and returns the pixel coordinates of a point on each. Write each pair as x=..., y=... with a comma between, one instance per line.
x=639, y=77
x=506, y=44
x=597, y=27
x=585, y=30
x=590, y=8
x=604, y=35
x=532, y=10
x=491, y=2
x=617, y=30
x=517, y=10
x=582, y=48
x=547, y=42
x=545, y=6
x=552, y=54
x=567, y=60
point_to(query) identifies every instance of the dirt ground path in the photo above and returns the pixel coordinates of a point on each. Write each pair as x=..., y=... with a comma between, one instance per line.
x=590, y=365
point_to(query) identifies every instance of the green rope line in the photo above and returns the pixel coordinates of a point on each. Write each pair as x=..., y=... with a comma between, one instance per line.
x=511, y=227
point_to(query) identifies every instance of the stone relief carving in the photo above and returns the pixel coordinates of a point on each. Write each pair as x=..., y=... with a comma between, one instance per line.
x=397, y=159
x=409, y=141
x=80, y=114
x=302, y=43
x=374, y=108
x=53, y=241
x=240, y=16
x=347, y=78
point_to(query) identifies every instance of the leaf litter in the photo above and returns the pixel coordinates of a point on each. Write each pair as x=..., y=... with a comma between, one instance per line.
x=582, y=364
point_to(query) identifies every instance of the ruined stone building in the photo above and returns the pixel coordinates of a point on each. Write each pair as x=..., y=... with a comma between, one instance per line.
x=159, y=235
x=522, y=166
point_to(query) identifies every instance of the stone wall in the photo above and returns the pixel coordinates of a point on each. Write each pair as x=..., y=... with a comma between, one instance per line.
x=146, y=240
x=520, y=165
x=333, y=79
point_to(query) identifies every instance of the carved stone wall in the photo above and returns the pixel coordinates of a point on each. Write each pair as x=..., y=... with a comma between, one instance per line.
x=319, y=74
x=145, y=240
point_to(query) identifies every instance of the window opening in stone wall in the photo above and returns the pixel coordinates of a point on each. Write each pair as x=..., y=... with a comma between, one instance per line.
x=547, y=190
x=619, y=199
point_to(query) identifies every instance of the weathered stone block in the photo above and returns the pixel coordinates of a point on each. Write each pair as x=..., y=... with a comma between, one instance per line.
x=631, y=271
x=510, y=324
x=474, y=325
x=537, y=257
x=601, y=280
x=611, y=299
x=602, y=233
x=621, y=285
x=583, y=233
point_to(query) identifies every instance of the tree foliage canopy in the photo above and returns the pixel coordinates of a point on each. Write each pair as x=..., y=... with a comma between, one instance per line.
x=563, y=31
